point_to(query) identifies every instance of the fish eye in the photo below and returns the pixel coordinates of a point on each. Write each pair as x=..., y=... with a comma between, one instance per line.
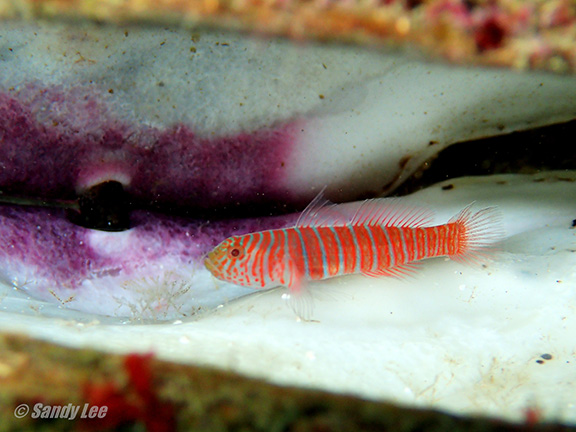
x=235, y=251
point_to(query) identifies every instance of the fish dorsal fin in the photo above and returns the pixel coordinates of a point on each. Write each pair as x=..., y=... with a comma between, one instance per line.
x=380, y=211
x=321, y=212
x=389, y=212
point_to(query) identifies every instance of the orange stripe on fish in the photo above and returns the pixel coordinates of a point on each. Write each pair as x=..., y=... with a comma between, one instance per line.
x=380, y=237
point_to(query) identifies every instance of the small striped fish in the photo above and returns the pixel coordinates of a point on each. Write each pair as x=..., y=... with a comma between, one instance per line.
x=379, y=237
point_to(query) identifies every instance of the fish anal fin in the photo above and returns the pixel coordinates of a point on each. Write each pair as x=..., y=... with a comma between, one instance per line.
x=398, y=271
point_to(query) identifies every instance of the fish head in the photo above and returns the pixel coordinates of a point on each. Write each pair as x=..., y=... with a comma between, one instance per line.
x=228, y=261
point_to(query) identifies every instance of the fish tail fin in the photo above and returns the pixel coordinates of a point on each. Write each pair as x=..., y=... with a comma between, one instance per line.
x=478, y=234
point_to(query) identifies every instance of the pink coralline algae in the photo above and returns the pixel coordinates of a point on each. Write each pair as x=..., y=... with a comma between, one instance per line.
x=62, y=144
x=518, y=34
x=48, y=256
x=490, y=34
x=55, y=143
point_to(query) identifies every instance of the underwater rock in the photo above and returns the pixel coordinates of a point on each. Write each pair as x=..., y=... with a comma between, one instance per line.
x=527, y=34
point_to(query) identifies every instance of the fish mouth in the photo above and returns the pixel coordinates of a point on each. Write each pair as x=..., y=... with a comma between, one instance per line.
x=209, y=264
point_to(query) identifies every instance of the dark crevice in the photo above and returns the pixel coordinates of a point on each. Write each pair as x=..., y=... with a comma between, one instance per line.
x=528, y=152
x=105, y=206
x=229, y=211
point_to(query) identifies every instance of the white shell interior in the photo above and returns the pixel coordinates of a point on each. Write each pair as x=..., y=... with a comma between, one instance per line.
x=461, y=339
x=362, y=113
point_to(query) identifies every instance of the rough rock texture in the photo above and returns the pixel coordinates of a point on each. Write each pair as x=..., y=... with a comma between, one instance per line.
x=536, y=34
x=143, y=393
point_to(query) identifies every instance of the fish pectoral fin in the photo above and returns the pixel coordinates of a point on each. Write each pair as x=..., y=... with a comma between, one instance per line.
x=298, y=297
x=399, y=271
x=301, y=302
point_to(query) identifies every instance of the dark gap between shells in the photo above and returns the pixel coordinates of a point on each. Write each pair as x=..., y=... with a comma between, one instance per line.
x=527, y=152
x=107, y=206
